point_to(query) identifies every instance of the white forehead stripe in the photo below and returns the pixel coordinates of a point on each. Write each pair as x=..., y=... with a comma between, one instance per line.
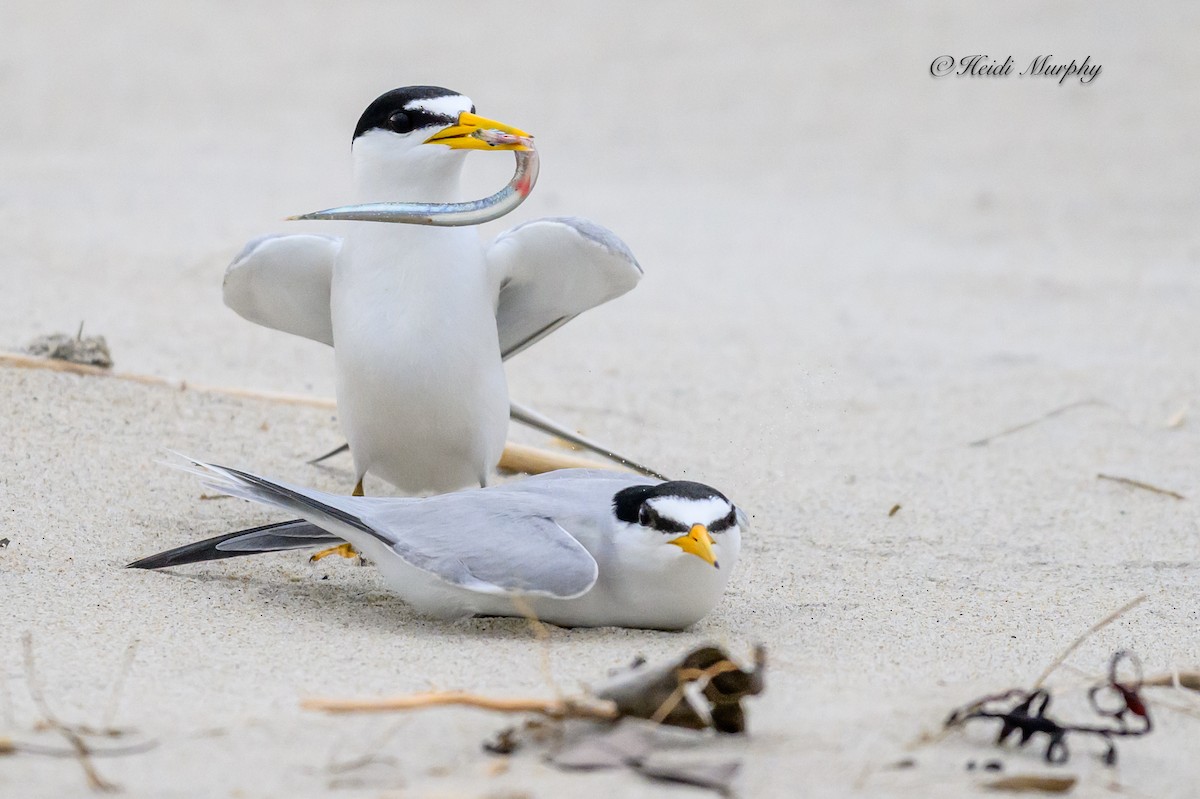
x=690, y=511
x=450, y=105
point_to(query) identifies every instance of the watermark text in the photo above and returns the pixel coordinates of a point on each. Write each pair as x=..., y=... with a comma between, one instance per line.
x=1041, y=66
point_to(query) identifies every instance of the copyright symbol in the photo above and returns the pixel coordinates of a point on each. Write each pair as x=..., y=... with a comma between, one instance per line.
x=942, y=66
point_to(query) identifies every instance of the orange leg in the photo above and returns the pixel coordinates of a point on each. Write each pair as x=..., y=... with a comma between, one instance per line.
x=345, y=550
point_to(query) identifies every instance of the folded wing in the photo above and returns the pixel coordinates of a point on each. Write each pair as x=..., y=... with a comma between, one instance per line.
x=480, y=540
x=484, y=542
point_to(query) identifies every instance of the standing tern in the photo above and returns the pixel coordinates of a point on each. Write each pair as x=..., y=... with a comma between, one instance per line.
x=422, y=314
x=576, y=547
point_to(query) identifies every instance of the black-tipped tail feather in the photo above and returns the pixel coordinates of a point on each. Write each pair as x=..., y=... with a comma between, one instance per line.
x=297, y=500
x=294, y=534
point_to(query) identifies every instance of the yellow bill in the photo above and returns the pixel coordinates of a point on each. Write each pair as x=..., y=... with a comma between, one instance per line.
x=698, y=542
x=463, y=136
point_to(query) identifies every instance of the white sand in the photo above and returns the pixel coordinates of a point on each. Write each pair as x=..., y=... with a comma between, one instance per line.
x=853, y=270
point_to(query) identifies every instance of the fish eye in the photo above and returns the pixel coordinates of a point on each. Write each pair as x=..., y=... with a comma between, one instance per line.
x=644, y=516
x=400, y=122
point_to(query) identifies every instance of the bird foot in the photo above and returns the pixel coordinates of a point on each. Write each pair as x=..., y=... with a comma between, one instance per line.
x=345, y=550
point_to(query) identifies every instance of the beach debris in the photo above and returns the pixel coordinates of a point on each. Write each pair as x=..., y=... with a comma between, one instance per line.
x=1040, y=783
x=87, y=350
x=895, y=509
x=75, y=735
x=702, y=689
x=635, y=744
x=716, y=776
x=504, y=742
x=1118, y=703
x=1183, y=684
x=927, y=738
x=371, y=770
x=536, y=730
x=619, y=745
x=1095, y=628
x=1189, y=680
x=983, y=442
x=1025, y=711
x=4, y=542
x=524, y=459
x=626, y=716
x=1139, y=484
x=1177, y=419
x=351, y=765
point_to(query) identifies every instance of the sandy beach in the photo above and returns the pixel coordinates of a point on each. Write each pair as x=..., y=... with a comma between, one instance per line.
x=861, y=281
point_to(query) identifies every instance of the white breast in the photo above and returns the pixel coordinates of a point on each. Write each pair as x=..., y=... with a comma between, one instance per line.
x=422, y=397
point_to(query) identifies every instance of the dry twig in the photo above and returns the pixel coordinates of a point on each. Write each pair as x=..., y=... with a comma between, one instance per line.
x=1044, y=417
x=18, y=360
x=543, y=636
x=1181, y=679
x=516, y=457
x=1139, y=484
x=1095, y=628
x=82, y=754
x=114, y=698
x=550, y=708
x=534, y=460
x=1019, y=783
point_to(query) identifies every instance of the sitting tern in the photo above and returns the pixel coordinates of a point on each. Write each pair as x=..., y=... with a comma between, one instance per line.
x=421, y=315
x=576, y=547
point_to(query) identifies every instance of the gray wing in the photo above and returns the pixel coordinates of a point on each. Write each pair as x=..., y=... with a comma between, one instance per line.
x=549, y=271
x=283, y=282
x=487, y=544
x=493, y=542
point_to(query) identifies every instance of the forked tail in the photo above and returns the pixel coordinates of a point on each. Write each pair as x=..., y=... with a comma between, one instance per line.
x=294, y=534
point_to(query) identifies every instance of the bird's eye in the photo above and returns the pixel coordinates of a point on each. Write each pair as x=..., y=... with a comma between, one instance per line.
x=724, y=523
x=400, y=122
x=644, y=516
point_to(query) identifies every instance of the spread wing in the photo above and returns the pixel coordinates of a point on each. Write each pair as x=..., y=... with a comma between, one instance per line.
x=551, y=270
x=547, y=271
x=282, y=282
